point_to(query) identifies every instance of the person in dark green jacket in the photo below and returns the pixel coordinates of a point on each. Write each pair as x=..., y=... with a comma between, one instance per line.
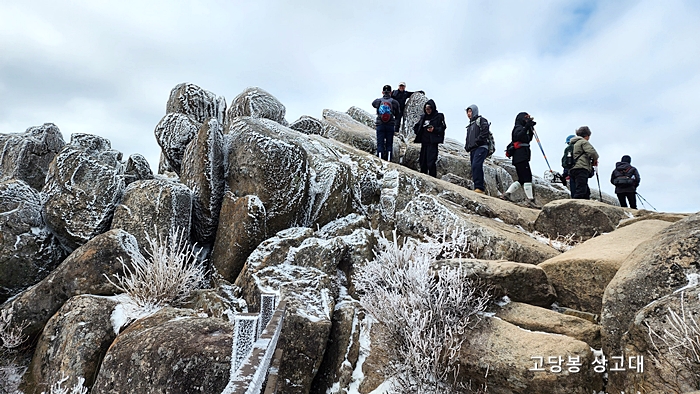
x=585, y=158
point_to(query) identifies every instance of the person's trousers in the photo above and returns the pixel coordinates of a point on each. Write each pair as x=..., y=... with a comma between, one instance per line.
x=385, y=139
x=629, y=196
x=524, y=172
x=580, y=176
x=428, y=158
x=477, y=157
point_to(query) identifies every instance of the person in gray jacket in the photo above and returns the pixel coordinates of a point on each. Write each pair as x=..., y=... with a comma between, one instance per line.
x=585, y=158
x=477, y=145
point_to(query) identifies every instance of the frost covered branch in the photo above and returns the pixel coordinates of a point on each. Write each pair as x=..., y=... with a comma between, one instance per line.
x=426, y=313
x=166, y=275
x=57, y=388
x=10, y=335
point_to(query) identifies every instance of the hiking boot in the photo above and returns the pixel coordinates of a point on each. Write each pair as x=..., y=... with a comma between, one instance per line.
x=478, y=191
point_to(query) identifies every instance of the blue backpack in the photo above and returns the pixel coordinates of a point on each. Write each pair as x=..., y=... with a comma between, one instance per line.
x=384, y=111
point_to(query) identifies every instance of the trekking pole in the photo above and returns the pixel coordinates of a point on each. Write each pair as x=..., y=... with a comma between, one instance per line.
x=600, y=192
x=540, y=144
x=643, y=199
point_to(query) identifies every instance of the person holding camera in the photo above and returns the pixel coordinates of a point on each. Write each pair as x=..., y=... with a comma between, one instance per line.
x=585, y=158
x=430, y=131
x=626, y=180
x=519, y=151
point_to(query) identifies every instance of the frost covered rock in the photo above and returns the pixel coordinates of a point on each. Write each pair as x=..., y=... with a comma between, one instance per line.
x=534, y=318
x=73, y=343
x=83, y=272
x=656, y=268
x=203, y=172
x=583, y=219
x=27, y=155
x=257, y=103
x=242, y=226
x=489, y=239
x=83, y=186
x=29, y=251
x=362, y=116
x=173, y=133
x=673, y=372
x=341, y=127
x=520, y=282
x=137, y=169
x=303, y=270
x=507, y=352
x=581, y=274
x=412, y=113
x=156, y=207
x=198, y=104
x=171, y=351
x=263, y=164
x=308, y=125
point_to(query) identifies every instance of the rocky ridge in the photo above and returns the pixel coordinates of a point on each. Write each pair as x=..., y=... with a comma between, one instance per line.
x=294, y=209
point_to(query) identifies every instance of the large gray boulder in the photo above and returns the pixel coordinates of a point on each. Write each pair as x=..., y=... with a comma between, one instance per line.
x=582, y=219
x=85, y=271
x=173, y=133
x=171, y=351
x=72, y=344
x=156, y=208
x=307, y=125
x=242, y=226
x=257, y=103
x=412, y=113
x=203, y=172
x=362, y=116
x=580, y=275
x=341, y=127
x=27, y=155
x=198, y=104
x=137, y=169
x=29, y=250
x=84, y=184
x=654, y=269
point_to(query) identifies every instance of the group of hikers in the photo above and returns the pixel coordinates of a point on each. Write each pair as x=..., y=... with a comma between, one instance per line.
x=580, y=159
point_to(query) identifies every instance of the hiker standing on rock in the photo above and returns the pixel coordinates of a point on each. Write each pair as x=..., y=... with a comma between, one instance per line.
x=430, y=131
x=519, y=151
x=564, y=163
x=585, y=158
x=626, y=180
x=387, y=111
x=477, y=145
x=401, y=95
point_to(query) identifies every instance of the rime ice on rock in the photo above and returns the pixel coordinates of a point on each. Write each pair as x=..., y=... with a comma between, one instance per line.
x=27, y=155
x=341, y=127
x=198, y=104
x=173, y=133
x=155, y=205
x=245, y=332
x=83, y=186
x=29, y=250
x=203, y=172
x=308, y=125
x=257, y=103
x=362, y=116
x=412, y=113
x=137, y=169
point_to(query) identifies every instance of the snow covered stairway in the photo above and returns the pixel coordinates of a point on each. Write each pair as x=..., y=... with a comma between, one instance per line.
x=254, y=342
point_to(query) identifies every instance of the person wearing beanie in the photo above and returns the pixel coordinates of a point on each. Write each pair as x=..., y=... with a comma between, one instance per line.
x=401, y=95
x=430, y=131
x=387, y=111
x=565, y=174
x=521, y=137
x=626, y=179
x=586, y=158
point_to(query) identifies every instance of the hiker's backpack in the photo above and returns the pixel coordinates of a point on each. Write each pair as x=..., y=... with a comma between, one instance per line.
x=491, y=142
x=567, y=161
x=384, y=111
x=623, y=178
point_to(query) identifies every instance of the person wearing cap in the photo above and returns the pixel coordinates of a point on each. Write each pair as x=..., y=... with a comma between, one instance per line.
x=388, y=111
x=401, y=95
x=626, y=180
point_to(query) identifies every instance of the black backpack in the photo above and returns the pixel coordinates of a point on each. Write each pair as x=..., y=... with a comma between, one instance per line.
x=568, y=161
x=623, y=178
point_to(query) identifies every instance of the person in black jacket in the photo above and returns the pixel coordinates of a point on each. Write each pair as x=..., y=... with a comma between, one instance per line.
x=401, y=95
x=477, y=145
x=387, y=111
x=626, y=180
x=519, y=150
x=430, y=131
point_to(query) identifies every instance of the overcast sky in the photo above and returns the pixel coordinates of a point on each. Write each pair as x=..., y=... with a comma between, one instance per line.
x=630, y=70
